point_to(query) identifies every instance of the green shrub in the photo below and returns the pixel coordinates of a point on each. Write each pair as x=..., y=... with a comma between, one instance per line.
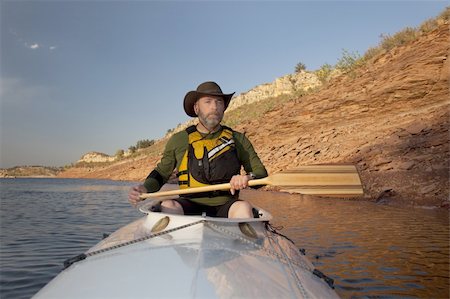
x=132, y=149
x=144, y=143
x=432, y=24
x=428, y=25
x=400, y=38
x=372, y=52
x=324, y=72
x=300, y=67
x=120, y=153
x=407, y=35
x=349, y=61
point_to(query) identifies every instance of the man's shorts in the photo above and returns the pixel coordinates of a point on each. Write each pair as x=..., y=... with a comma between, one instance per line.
x=192, y=208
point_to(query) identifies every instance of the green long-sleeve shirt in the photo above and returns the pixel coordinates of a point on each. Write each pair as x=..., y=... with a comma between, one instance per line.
x=178, y=145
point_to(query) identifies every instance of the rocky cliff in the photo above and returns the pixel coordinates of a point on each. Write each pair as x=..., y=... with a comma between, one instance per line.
x=389, y=117
x=96, y=157
x=287, y=85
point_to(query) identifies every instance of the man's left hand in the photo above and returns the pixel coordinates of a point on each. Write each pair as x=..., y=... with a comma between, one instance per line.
x=239, y=182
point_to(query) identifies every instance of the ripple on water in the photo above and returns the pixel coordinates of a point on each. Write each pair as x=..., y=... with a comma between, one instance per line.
x=372, y=251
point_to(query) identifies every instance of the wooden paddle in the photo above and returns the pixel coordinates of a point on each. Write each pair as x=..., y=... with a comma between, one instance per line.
x=324, y=180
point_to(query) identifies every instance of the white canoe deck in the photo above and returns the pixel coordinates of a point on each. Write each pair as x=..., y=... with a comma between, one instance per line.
x=193, y=257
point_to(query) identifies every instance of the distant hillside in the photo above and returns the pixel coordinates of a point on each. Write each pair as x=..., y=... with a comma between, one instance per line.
x=29, y=171
x=389, y=115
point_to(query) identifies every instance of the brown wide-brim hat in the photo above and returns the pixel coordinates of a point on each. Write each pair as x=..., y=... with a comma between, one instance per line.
x=205, y=89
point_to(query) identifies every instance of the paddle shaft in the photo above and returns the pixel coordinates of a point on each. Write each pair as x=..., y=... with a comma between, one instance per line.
x=334, y=180
x=218, y=187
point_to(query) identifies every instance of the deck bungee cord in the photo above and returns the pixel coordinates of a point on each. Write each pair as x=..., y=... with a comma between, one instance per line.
x=83, y=256
x=243, y=237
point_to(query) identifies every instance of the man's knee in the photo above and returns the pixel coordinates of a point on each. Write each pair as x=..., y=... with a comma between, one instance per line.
x=240, y=209
x=171, y=206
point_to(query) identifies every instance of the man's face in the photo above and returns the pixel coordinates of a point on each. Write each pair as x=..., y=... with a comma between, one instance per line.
x=209, y=110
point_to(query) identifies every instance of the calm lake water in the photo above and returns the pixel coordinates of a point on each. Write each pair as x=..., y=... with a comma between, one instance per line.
x=371, y=251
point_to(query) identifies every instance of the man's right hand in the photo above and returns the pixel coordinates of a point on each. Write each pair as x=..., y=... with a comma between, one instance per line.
x=133, y=194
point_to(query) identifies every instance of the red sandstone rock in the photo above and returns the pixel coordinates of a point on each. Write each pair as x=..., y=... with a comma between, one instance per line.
x=392, y=118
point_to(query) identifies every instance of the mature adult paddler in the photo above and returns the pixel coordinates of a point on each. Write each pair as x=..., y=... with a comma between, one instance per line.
x=205, y=154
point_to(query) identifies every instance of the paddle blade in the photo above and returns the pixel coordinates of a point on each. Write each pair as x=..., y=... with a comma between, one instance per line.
x=324, y=180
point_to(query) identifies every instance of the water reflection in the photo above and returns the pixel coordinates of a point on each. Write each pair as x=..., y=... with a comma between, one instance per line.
x=369, y=249
x=45, y=221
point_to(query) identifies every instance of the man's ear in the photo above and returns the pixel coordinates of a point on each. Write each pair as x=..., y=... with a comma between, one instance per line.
x=196, y=108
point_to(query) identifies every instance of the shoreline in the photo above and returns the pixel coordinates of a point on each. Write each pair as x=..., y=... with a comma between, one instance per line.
x=392, y=204
x=28, y=177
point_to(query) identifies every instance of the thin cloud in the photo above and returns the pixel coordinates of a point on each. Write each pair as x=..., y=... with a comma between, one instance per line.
x=32, y=46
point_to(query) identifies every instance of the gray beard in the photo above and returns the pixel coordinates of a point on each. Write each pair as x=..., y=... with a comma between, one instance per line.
x=209, y=123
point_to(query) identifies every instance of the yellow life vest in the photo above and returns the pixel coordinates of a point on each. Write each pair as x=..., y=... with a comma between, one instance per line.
x=208, y=161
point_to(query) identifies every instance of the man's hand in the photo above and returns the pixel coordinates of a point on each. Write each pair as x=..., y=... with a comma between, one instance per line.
x=239, y=182
x=133, y=194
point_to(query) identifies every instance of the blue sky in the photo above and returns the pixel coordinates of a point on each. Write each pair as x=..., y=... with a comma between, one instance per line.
x=80, y=76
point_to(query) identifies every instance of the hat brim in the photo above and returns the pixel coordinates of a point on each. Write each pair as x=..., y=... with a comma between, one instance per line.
x=192, y=97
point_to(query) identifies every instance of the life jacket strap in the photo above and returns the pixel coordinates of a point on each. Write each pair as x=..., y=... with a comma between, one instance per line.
x=180, y=173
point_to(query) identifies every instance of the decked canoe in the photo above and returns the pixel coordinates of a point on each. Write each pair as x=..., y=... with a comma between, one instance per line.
x=172, y=256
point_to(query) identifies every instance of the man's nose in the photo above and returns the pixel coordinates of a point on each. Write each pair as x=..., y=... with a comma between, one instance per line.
x=215, y=105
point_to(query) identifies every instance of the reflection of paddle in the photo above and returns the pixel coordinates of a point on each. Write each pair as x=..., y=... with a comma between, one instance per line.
x=325, y=180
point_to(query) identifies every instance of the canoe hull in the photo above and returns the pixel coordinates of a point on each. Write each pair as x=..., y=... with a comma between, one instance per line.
x=170, y=256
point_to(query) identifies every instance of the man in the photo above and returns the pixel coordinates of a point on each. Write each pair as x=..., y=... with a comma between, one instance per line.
x=206, y=154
